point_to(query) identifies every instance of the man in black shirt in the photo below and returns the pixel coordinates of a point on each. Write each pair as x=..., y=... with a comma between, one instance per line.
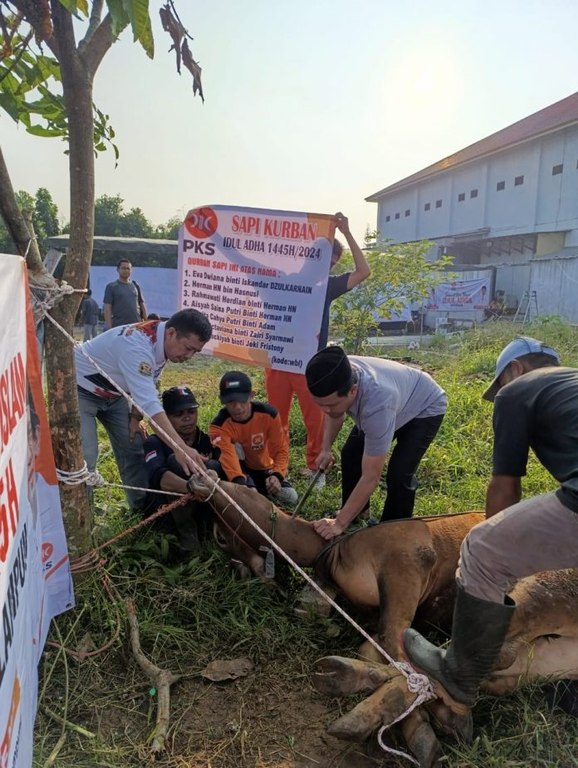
x=164, y=473
x=535, y=406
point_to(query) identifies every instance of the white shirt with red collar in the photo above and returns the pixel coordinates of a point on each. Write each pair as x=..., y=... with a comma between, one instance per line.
x=133, y=356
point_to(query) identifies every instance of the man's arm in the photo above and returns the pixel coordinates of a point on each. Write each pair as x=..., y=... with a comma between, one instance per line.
x=108, y=315
x=331, y=429
x=174, y=483
x=362, y=270
x=371, y=469
x=229, y=459
x=278, y=447
x=503, y=491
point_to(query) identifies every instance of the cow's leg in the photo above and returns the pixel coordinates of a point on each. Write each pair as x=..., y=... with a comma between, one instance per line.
x=459, y=727
x=398, y=602
x=420, y=738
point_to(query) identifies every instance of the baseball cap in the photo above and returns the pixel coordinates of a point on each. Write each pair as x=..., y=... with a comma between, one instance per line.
x=524, y=345
x=235, y=386
x=177, y=399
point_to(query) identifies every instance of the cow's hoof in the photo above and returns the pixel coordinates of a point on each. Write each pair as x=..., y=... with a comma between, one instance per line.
x=385, y=705
x=423, y=744
x=340, y=676
x=459, y=727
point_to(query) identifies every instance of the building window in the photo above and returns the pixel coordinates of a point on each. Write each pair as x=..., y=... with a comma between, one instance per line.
x=387, y=218
x=397, y=215
x=461, y=197
x=518, y=181
x=474, y=193
x=500, y=186
x=427, y=206
x=557, y=169
x=438, y=203
x=407, y=212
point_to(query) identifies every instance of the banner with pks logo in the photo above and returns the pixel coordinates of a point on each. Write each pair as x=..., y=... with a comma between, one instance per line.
x=260, y=276
x=35, y=582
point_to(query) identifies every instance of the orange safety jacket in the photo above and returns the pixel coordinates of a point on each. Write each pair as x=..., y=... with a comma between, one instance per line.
x=261, y=437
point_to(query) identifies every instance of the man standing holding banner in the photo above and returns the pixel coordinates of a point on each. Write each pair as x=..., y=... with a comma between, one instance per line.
x=282, y=385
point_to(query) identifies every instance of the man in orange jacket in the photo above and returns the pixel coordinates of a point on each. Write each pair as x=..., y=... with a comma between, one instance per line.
x=252, y=441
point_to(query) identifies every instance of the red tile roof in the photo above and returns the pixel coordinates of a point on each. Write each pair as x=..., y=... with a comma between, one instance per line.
x=555, y=116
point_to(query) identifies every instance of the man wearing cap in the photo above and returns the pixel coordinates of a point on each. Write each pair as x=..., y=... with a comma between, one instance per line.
x=387, y=401
x=134, y=356
x=252, y=441
x=535, y=406
x=164, y=473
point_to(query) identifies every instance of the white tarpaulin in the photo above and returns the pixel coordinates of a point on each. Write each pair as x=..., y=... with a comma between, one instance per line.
x=35, y=582
x=261, y=278
x=158, y=286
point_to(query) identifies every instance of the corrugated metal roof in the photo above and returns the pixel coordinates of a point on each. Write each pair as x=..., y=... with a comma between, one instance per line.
x=555, y=116
x=122, y=244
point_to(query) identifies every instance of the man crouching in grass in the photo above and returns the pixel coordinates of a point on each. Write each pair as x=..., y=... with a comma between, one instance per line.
x=164, y=473
x=253, y=443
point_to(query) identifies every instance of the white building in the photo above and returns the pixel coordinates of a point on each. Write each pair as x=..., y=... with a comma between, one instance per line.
x=509, y=202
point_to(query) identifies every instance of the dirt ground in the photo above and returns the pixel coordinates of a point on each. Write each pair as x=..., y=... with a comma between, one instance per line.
x=269, y=719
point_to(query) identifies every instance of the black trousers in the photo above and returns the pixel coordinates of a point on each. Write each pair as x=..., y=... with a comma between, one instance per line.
x=412, y=441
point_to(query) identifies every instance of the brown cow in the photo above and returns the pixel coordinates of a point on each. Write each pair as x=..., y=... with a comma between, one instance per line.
x=405, y=569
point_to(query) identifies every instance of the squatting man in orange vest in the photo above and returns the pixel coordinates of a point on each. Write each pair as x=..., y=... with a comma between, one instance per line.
x=535, y=406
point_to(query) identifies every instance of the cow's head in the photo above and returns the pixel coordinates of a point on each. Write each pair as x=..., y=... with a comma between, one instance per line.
x=228, y=521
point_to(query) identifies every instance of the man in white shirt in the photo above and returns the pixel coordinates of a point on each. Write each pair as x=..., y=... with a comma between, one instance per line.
x=134, y=357
x=387, y=401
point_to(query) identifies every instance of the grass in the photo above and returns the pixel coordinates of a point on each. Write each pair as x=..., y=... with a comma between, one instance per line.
x=192, y=612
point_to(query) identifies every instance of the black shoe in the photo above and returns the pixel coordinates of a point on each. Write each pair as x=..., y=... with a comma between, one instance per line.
x=478, y=632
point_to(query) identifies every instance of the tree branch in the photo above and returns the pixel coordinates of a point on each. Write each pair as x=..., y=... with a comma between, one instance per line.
x=162, y=679
x=93, y=24
x=31, y=11
x=95, y=49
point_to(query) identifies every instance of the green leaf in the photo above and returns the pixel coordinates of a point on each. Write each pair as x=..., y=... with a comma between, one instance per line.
x=140, y=21
x=38, y=130
x=118, y=15
x=74, y=6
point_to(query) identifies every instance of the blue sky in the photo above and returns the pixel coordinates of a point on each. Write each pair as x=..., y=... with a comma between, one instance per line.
x=311, y=105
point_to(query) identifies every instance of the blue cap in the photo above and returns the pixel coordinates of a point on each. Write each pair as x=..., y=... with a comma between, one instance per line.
x=524, y=345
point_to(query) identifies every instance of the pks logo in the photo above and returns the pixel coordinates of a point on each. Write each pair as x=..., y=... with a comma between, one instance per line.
x=258, y=441
x=202, y=222
x=47, y=550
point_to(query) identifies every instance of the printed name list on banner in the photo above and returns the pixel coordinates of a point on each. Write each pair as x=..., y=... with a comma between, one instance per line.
x=260, y=276
x=35, y=582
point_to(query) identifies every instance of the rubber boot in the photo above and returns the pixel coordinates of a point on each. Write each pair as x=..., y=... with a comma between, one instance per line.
x=186, y=526
x=478, y=632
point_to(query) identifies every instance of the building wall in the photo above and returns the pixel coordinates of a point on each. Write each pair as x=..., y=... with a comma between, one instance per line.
x=484, y=194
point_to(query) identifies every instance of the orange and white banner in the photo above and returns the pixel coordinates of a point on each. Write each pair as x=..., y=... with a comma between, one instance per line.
x=260, y=276
x=35, y=582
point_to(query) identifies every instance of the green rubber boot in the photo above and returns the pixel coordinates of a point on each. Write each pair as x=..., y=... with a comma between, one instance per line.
x=478, y=632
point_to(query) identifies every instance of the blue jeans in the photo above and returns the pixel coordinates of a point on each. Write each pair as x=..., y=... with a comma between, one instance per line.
x=129, y=454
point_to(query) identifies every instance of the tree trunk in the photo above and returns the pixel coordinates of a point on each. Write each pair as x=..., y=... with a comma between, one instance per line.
x=16, y=223
x=63, y=400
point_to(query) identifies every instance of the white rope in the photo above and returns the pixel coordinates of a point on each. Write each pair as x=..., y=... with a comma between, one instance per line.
x=34, y=237
x=420, y=684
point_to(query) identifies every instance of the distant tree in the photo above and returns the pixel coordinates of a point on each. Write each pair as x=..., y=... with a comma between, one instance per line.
x=135, y=224
x=400, y=275
x=46, y=220
x=108, y=212
x=169, y=230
